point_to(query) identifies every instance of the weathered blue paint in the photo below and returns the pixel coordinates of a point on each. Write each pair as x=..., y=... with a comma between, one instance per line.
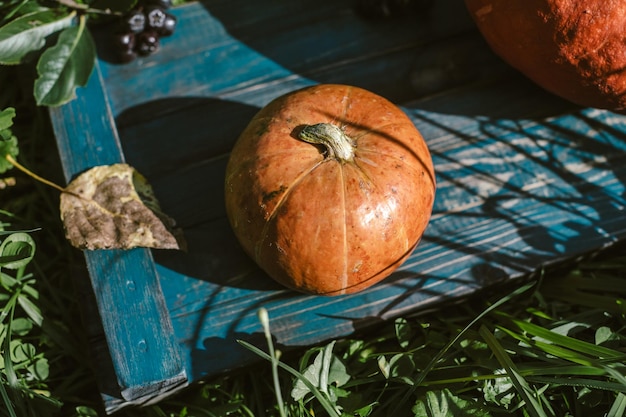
x=524, y=179
x=139, y=336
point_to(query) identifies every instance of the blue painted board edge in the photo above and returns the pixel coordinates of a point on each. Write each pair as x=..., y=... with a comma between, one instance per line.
x=137, y=327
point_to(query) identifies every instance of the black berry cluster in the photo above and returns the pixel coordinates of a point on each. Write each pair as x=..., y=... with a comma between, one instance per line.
x=142, y=28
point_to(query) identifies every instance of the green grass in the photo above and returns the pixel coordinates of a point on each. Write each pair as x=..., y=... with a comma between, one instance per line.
x=552, y=346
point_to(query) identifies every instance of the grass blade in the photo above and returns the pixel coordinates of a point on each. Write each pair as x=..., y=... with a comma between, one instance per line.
x=551, y=349
x=5, y=398
x=617, y=375
x=520, y=384
x=546, y=335
x=567, y=370
x=9, y=372
x=452, y=342
x=423, y=374
x=618, y=409
x=579, y=382
x=318, y=394
x=265, y=322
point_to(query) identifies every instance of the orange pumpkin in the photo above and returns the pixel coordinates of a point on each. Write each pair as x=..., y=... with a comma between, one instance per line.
x=329, y=189
x=572, y=48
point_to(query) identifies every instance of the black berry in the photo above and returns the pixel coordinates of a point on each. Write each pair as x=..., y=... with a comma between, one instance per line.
x=155, y=17
x=142, y=28
x=147, y=42
x=124, y=41
x=135, y=21
x=169, y=25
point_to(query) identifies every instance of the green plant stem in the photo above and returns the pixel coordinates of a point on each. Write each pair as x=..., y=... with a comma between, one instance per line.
x=429, y=367
x=264, y=319
x=328, y=407
x=13, y=11
x=31, y=174
x=5, y=398
x=85, y=8
x=9, y=372
x=520, y=384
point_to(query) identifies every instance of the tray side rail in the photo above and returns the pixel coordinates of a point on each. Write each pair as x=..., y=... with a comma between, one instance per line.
x=137, y=328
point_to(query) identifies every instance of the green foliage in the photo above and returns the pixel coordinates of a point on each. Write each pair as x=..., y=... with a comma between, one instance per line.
x=8, y=142
x=327, y=373
x=55, y=36
x=23, y=368
x=62, y=68
x=556, y=347
x=445, y=404
x=23, y=37
x=16, y=251
x=28, y=33
x=517, y=354
x=6, y=119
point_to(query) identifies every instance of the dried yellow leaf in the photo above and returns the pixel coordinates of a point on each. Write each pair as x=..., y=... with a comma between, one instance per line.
x=114, y=207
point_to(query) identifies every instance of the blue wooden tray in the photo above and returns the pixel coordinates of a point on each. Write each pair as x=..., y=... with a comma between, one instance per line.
x=524, y=179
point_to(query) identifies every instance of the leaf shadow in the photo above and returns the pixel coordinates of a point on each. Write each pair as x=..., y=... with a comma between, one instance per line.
x=487, y=228
x=181, y=146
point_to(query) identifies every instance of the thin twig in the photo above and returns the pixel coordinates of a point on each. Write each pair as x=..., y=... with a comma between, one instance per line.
x=85, y=8
x=30, y=173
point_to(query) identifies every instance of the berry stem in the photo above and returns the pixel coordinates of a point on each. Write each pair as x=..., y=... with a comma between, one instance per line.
x=85, y=8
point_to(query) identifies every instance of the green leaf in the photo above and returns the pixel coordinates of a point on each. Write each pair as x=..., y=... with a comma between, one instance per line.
x=40, y=369
x=21, y=326
x=445, y=404
x=31, y=309
x=604, y=334
x=523, y=389
x=404, y=332
x=580, y=382
x=326, y=369
x=6, y=118
x=328, y=406
x=28, y=33
x=402, y=367
x=619, y=406
x=499, y=391
x=8, y=147
x=65, y=66
x=24, y=7
x=84, y=411
x=21, y=351
x=16, y=251
x=547, y=336
x=364, y=411
x=8, y=142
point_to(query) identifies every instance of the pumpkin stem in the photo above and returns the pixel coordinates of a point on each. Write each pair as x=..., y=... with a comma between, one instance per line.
x=337, y=143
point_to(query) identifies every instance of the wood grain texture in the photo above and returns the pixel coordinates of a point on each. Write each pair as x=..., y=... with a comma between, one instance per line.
x=137, y=327
x=524, y=179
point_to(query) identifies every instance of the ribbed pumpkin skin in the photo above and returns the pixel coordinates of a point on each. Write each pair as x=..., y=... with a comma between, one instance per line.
x=319, y=225
x=572, y=48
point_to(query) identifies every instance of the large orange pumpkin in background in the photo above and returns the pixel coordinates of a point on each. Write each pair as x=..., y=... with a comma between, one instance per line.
x=329, y=189
x=575, y=49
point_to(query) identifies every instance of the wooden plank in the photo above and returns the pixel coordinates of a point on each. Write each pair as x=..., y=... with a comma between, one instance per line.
x=524, y=179
x=213, y=56
x=137, y=328
x=514, y=194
